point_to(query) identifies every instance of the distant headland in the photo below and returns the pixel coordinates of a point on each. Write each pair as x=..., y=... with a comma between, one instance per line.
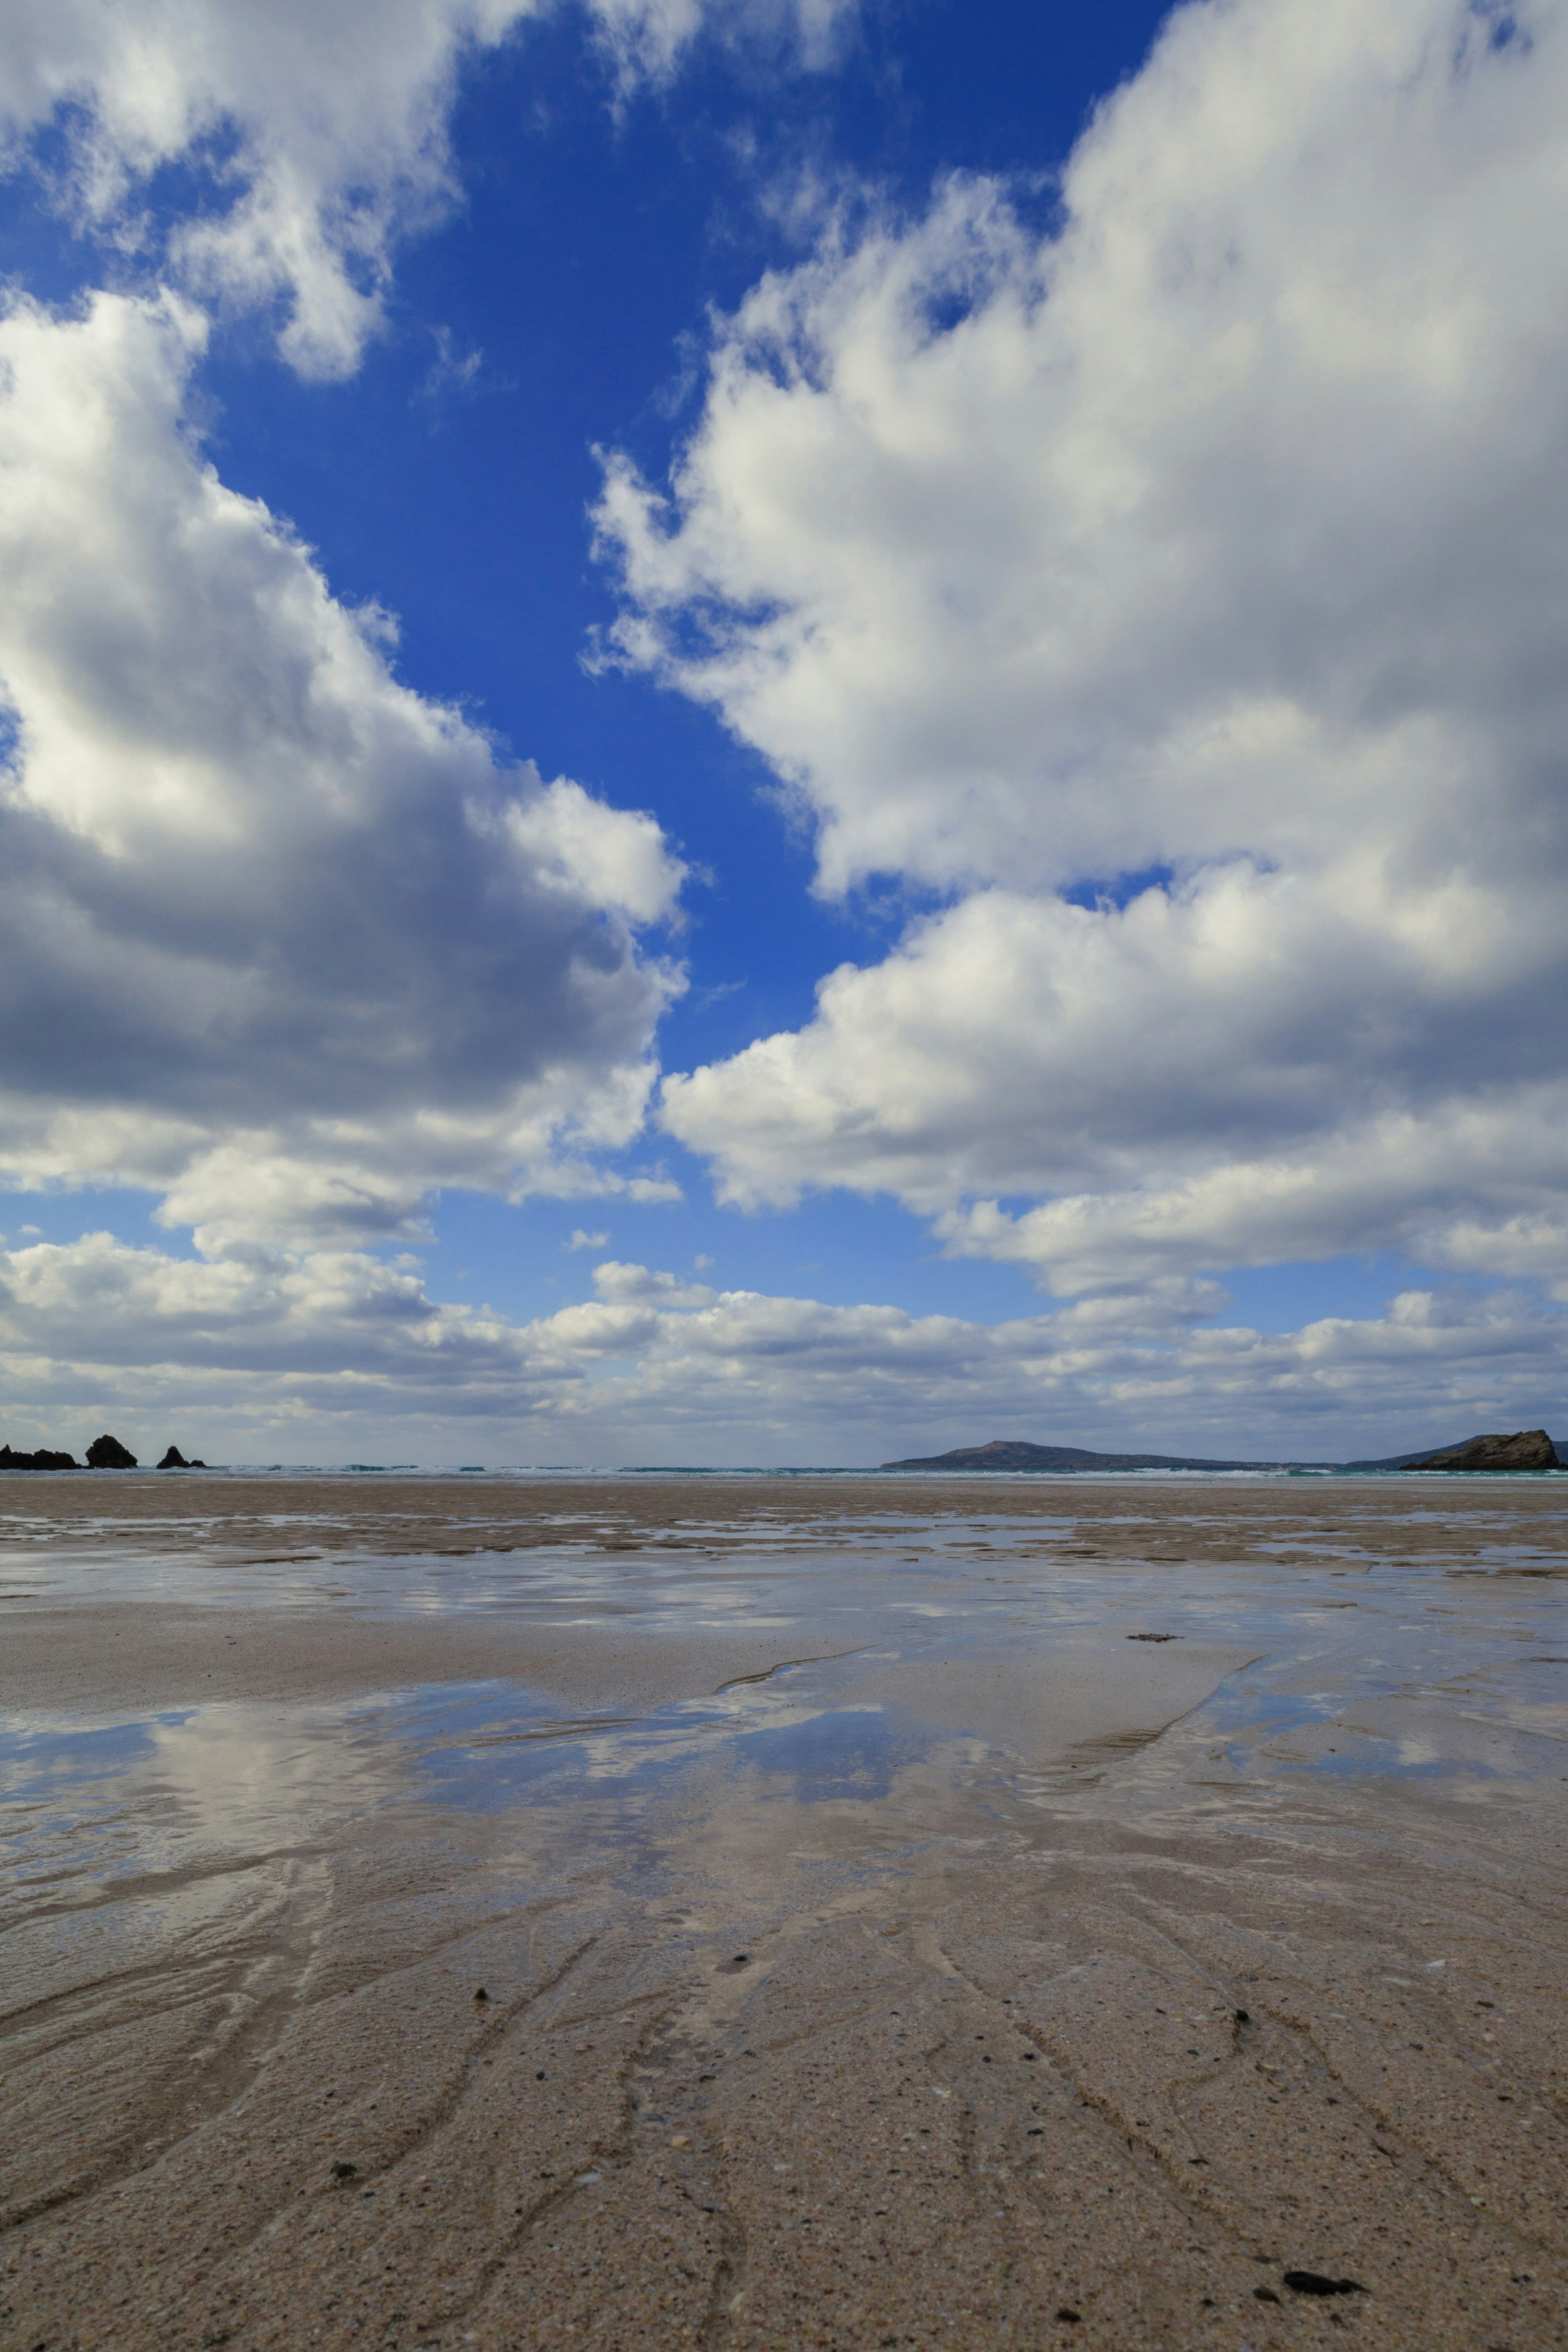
x=1527, y=1449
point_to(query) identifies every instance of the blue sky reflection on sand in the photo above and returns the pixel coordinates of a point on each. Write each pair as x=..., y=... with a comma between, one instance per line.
x=58, y=1787
x=84, y=1803
x=1453, y=1678
x=161, y=1796
x=808, y=1749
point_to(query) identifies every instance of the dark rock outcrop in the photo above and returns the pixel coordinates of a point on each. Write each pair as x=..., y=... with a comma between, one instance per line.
x=1017, y=1454
x=1527, y=1449
x=173, y=1460
x=42, y=1460
x=106, y=1452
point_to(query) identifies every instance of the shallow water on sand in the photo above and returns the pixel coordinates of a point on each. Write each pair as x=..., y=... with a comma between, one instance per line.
x=266, y=1752
x=1397, y=1642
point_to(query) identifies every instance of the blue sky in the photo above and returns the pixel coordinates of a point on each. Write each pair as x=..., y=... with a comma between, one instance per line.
x=543, y=537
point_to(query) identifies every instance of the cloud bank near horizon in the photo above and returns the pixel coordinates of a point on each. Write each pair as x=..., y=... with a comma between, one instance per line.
x=325, y=1355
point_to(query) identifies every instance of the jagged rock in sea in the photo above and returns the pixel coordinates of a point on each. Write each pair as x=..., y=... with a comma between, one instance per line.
x=1527, y=1449
x=106, y=1452
x=42, y=1460
x=173, y=1460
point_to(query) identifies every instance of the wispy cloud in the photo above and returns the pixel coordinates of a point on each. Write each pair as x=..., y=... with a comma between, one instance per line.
x=318, y=137
x=452, y=373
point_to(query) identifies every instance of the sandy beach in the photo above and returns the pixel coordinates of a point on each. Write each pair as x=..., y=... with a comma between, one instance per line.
x=782, y=1913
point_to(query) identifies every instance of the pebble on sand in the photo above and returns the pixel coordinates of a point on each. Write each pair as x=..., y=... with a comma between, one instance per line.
x=1314, y=2282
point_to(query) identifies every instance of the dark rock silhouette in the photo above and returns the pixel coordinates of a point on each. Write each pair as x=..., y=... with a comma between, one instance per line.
x=173, y=1460
x=106, y=1452
x=42, y=1460
x=1527, y=1449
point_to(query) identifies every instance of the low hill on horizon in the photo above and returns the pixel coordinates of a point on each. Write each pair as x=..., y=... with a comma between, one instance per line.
x=1018, y=1454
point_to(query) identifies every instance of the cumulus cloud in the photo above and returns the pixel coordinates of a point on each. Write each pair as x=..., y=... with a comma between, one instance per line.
x=280, y=938
x=320, y=1355
x=316, y=129
x=1237, y=1070
x=1178, y=591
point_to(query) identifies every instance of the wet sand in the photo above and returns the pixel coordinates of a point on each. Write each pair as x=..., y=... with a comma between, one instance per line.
x=886, y=1938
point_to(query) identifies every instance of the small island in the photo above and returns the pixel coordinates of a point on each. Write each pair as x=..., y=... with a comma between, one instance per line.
x=1017, y=1454
x=1526, y=1449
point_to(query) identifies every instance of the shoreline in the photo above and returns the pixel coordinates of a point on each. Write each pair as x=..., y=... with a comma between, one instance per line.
x=1040, y=2003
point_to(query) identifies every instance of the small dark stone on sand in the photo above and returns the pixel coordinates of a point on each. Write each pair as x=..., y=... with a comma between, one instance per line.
x=341, y=2171
x=1244, y=2017
x=481, y=1994
x=1265, y=2295
x=1071, y=2317
x=1314, y=2282
x=540, y=2076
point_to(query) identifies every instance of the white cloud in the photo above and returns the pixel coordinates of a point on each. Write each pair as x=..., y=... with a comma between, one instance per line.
x=1244, y=1069
x=282, y=940
x=1213, y=536
x=334, y=1355
x=621, y=1284
x=317, y=130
